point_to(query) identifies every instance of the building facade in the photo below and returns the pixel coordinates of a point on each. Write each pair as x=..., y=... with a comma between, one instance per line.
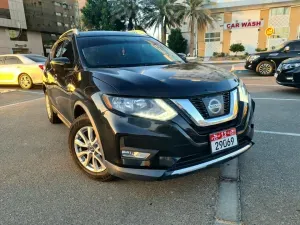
x=51, y=18
x=14, y=36
x=245, y=21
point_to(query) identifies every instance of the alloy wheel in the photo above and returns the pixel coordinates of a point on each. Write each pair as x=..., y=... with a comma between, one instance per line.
x=265, y=69
x=88, y=150
x=25, y=81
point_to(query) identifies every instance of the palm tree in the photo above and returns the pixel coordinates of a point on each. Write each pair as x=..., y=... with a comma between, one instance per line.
x=194, y=12
x=163, y=14
x=128, y=9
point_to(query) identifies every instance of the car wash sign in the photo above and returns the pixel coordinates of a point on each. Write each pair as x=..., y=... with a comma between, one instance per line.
x=246, y=24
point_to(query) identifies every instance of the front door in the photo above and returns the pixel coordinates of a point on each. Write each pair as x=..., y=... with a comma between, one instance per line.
x=293, y=52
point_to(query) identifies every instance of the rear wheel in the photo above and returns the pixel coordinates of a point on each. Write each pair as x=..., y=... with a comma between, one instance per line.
x=86, y=150
x=52, y=116
x=265, y=68
x=25, y=81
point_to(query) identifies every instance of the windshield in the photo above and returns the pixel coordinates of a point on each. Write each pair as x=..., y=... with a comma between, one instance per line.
x=124, y=51
x=37, y=58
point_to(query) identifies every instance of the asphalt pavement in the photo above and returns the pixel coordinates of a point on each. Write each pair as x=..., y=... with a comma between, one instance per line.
x=40, y=183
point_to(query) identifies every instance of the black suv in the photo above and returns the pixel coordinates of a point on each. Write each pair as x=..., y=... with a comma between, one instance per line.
x=265, y=63
x=136, y=110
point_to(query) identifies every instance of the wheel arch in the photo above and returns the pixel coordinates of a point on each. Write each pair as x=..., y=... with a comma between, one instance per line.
x=83, y=108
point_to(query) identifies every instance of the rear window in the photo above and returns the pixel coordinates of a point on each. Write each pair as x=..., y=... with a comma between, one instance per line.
x=37, y=58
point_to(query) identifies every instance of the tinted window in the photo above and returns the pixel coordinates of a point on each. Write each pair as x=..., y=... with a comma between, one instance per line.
x=1, y=60
x=12, y=60
x=295, y=46
x=37, y=58
x=124, y=51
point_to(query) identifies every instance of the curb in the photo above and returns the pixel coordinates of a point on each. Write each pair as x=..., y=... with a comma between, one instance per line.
x=223, y=62
x=228, y=204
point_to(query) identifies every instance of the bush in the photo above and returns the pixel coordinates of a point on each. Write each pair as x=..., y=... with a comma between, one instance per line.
x=222, y=54
x=237, y=48
x=176, y=41
x=215, y=54
x=261, y=50
x=246, y=54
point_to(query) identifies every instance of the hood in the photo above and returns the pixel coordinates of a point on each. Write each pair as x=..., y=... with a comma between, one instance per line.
x=292, y=60
x=171, y=81
x=266, y=53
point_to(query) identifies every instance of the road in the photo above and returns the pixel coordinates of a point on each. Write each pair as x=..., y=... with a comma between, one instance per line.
x=40, y=184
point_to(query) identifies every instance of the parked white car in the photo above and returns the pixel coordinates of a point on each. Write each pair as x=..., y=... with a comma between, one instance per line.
x=23, y=69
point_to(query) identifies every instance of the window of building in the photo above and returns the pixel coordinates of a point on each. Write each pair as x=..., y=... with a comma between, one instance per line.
x=58, y=13
x=59, y=24
x=1, y=60
x=281, y=32
x=57, y=4
x=12, y=60
x=211, y=37
x=65, y=15
x=280, y=11
x=66, y=25
x=17, y=35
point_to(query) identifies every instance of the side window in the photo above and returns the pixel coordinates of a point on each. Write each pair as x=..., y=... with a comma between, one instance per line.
x=12, y=60
x=295, y=46
x=1, y=60
x=57, y=51
x=67, y=51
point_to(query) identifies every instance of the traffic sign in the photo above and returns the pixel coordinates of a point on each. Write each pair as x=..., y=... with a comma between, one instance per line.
x=270, y=31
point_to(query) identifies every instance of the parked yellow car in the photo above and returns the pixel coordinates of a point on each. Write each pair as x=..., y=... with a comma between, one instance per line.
x=23, y=69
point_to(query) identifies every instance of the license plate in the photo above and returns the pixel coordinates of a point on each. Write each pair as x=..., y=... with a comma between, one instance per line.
x=276, y=75
x=223, y=140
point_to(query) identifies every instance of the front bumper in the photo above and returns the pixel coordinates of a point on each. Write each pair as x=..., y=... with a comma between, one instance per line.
x=153, y=174
x=179, y=146
x=289, y=78
x=251, y=65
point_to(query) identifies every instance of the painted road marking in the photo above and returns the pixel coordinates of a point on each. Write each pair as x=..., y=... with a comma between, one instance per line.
x=33, y=92
x=264, y=85
x=278, y=99
x=19, y=103
x=277, y=133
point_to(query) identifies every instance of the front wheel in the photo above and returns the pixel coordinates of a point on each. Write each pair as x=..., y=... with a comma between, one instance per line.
x=86, y=150
x=265, y=68
x=25, y=81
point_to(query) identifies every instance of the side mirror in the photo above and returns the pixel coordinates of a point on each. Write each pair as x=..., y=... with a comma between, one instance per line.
x=286, y=49
x=60, y=63
x=182, y=56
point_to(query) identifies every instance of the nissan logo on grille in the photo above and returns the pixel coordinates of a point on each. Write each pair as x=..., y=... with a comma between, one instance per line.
x=214, y=106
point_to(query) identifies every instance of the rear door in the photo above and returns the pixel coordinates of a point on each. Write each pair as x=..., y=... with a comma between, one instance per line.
x=2, y=59
x=10, y=70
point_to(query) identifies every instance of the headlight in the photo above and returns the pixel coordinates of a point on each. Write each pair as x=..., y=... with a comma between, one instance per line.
x=290, y=66
x=244, y=94
x=253, y=57
x=155, y=109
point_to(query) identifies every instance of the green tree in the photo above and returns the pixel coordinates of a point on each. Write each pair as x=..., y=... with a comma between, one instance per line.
x=237, y=48
x=193, y=12
x=130, y=10
x=163, y=14
x=176, y=41
x=97, y=16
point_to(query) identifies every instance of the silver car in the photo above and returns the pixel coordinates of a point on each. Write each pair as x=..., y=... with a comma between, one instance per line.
x=23, y=69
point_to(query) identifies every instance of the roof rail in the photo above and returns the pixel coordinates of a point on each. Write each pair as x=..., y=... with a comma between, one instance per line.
x=72, y=31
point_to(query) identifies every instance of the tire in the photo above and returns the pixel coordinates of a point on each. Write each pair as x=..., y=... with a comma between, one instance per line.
x=25, y=81
x=265, y=68
x=87, y=152
x=52, y=116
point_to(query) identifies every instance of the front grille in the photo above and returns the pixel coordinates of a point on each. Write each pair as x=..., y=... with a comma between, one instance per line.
x=200, y=106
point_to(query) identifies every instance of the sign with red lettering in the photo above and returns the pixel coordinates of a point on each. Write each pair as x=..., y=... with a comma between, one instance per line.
x=246, y=24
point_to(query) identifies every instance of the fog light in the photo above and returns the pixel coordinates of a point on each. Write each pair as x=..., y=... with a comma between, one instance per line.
x=135, y=154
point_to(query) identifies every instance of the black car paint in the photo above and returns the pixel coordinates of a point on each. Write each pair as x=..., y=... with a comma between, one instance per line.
x=276, y=57
x=292, y=73
x=72, y=93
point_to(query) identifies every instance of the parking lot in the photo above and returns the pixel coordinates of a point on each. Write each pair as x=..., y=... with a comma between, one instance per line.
x=40, y=183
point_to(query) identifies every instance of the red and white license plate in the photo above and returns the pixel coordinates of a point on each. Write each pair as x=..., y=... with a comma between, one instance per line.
x=222, y=140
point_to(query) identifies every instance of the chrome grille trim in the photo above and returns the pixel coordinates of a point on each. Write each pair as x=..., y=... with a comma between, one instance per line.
x=189, y=109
